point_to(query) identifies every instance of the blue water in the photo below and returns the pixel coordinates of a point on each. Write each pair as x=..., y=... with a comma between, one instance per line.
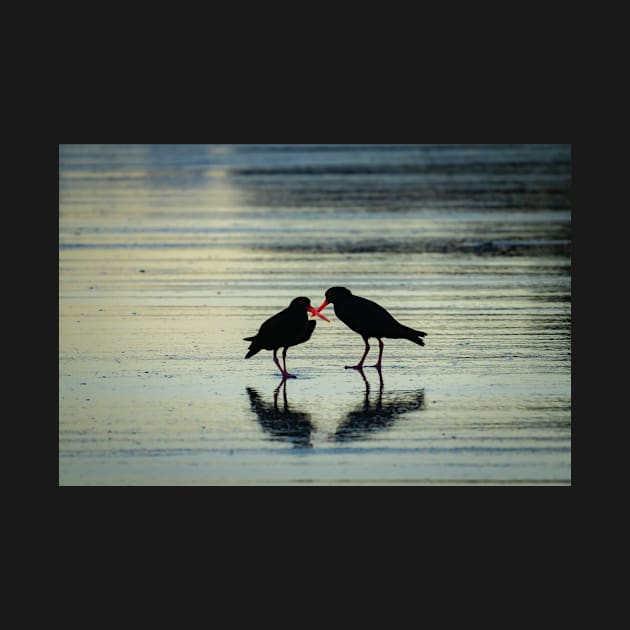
x=362, y=177
x=170, y=254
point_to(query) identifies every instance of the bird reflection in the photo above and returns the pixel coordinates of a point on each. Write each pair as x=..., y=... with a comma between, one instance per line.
x=381, y=414
x=282, y=423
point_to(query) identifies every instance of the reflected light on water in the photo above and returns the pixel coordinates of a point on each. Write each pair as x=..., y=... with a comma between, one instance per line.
x=170, y=254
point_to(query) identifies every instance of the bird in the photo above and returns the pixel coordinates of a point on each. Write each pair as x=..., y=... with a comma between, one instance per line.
x=287, y=328
x=369, y=319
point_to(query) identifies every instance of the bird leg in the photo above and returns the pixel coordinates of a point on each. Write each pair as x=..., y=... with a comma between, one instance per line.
x=275, y=360
x=367, y=386
x=284, y=361
x=377, y=365
x=359, y=365
x=283, y=383
x=285, y=374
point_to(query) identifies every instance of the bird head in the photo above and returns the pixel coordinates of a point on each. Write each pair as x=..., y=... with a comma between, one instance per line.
x=333, y=294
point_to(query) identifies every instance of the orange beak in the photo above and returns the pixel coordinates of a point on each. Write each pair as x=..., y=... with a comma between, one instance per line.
x=322, y=306
x=314, y=312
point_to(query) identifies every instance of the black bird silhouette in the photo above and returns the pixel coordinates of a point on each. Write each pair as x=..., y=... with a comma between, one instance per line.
x=369, y=320
x=370, y=417
x=282, y=423
x=285, y=329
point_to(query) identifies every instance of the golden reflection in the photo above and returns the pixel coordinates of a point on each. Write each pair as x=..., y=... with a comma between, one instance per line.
x=133, y=182
x=221, y=149
x=218, y=172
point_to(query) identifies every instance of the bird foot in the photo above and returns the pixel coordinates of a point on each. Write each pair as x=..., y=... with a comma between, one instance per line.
x=376, y=365
x=287, y=375
x=353, y=367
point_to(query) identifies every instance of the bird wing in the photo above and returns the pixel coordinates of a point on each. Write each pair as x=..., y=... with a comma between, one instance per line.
x=372, y=309
x=274, y=326
x=310, y=327
x=285, y=328
x=361, y=311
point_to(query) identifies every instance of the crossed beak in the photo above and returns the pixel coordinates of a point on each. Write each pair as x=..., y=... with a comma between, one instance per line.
x=314, y=312
x=317, y=312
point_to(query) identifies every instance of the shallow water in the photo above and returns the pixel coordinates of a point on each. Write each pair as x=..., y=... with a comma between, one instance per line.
x=170, y=255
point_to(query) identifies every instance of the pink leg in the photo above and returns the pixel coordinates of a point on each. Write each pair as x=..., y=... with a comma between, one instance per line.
x=284, y=362
x=380, y=355
x=275, y=359
x=283, y=383
x=359, y=365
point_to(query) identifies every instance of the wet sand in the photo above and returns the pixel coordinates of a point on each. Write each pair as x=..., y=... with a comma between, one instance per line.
x=161, y=277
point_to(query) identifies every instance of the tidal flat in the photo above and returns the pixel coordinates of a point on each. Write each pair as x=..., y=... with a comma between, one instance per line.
x=169, y=255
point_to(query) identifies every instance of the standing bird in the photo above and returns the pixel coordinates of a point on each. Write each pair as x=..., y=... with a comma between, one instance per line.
x=283, y=330
x=369, y=320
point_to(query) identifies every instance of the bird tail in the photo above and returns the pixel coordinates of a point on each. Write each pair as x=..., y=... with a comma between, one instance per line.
x=414, y=335
x=254, y=348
